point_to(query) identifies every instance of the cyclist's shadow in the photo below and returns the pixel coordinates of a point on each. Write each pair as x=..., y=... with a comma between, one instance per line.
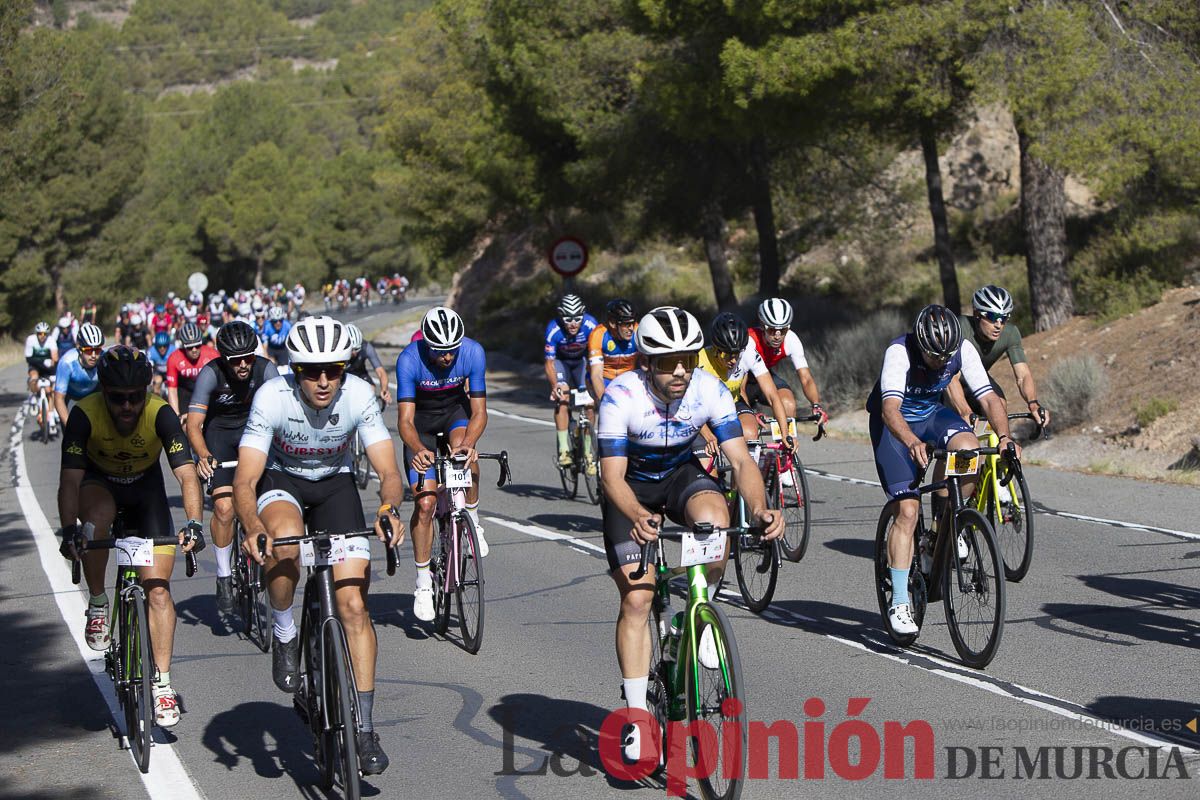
x=201, y=609
x=271, y=737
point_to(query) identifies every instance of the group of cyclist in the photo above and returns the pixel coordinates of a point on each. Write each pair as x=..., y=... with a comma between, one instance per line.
x=339, y=294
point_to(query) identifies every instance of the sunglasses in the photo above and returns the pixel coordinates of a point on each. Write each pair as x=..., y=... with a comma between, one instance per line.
x=727, y=355
x=776, y=331
x=669, y=363
x=442, y=353
x=992, y=316
x=572, y=320
x=936, y=358
x=313, y=372
x=125, y=398
x=239, y=361
x=90, y=351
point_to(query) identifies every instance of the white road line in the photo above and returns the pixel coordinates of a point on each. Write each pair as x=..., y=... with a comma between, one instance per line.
x=168, y=779
x=941, y=667
x=507, y=415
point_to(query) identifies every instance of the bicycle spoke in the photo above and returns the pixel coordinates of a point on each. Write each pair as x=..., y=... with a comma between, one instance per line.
x=973, y=589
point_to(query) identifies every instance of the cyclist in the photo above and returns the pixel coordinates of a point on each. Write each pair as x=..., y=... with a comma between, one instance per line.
x=774, y=340
x=90, y=312
x=566, y=369
x=41, y=357
x=65, y=334
x=287, y=477
x=75, y=378
x=274, y=334
x=730, y=358
x=137, y=334
x=611, y=348
x=204, y=321
x=905, y=415
x=110, y=465
x=184, y=365
x=217, y=414
x=440, y=388
x=159, y=354
x=994, y=338
x=362, y=356
x=649, y=419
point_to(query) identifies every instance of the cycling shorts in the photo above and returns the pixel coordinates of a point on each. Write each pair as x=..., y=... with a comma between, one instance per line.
x=895, y=466
x=668, y=496
x=330, y=505
x=971, y=401
x=223, y=444
x=755, y=395
x=428, y=426
x=141, y=503
x=572, y=373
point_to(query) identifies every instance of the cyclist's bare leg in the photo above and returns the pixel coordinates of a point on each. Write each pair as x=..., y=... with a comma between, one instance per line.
x=960, y=441
x=222, y=518
x=96, y=506
x=351, y=580
x=421, y=522
x=157, y=582
x=709, y=506
x=789, y=405
x=456, y=438
x=900, y=539
x=633, y=634
x=283, y=519
x=561, y=414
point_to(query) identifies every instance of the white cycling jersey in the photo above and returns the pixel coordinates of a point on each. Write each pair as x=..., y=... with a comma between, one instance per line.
x=307, y=443
x=657, y=438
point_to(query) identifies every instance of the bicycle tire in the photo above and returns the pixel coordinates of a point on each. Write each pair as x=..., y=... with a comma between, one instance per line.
x=977, y=623
x=139, y=680
x=797, y=517
x=707, y=692
x=756, y=562
x=341, y=694
x=469, y=591
x=1013, y=525
x=658, y=696
x=362, y=468
x=591, y=483
x=258, y=619
x=45, y=422
x=439, y=564
x=883, y=578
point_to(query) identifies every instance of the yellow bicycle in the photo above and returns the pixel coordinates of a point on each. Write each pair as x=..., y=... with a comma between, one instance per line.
x=1003, y=498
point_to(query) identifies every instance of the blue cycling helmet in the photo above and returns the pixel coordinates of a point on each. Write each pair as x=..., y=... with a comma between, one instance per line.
x=162, y=339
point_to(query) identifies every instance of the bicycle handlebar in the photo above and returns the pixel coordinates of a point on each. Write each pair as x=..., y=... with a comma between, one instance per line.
x=83, y=544
x=1040, y=430
x=393, y=553
x=705, y=528
x=1008, y=453
x=810, y=418
x=501, y=458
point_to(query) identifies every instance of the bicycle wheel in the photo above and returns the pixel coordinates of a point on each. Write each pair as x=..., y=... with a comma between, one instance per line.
x=439, y=564
x=1012, y=520
x=717, y=697
x=469, y=592
x=797, y=520
x=590, y=482
x=658, y=693
x=569, y=477
x=45, y=407
x=362, y=467
x=757, y=565
x=918, y=597
x=257, y=602
x=343, y=728
x=139, y=679
x=973, y=590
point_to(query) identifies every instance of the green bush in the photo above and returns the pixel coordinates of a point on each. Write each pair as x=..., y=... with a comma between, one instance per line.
x=1074, y=388
x=847, y=363
x=1154, y=408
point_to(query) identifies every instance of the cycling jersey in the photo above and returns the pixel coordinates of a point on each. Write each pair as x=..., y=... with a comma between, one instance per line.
x=182, y=371
x=919, y=388
x=420, y=381
x=617, y=357
x=224, y=400
x=304, y=442
x=72, y=380
x=568, y=348
x=749, y=363
x=275, y=339
x=40, y=355
x=65, y=340
x=656, y=437
x=364, y=363
x=91, y=441
x=1009, y=344
x=159, y=359
x=790, y=347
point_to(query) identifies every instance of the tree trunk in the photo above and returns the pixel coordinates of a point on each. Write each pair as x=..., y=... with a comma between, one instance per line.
x=764, y=219
x=713, y=229
x=1044, y=220
x=937, y=209
x=55, y=271
x=258, y=270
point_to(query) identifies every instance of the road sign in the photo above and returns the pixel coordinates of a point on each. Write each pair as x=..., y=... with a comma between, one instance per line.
x=568, y=256
x=197, y=281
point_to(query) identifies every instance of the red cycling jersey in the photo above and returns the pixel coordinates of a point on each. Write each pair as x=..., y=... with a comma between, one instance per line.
x=181, y=371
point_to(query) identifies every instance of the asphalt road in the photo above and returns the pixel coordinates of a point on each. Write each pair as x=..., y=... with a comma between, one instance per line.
x=1099, y=654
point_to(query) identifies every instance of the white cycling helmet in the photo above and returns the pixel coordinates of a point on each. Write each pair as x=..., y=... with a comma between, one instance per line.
x=442, y=328
x=994, y=299
x=135, y=319
x=355, y=337
x=318, y=340
x=89, y=335
x=775, y=312
x=571, y=305
x=64, y=322
x=668, y=329
x=275, y=314
x=42, y=327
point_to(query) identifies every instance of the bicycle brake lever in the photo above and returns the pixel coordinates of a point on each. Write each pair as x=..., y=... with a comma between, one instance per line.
x=189, y=561
x=76, y=565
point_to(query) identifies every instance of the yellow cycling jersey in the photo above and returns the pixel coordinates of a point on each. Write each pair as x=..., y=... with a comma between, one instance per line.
x=90, y=439
x=749, y=363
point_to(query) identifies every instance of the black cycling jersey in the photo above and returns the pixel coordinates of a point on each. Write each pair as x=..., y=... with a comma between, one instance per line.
x=364, y=363
x=225, y=401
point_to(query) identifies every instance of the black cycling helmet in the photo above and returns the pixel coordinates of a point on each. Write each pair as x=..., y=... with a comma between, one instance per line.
x=728, y=333
x=123, y=367
x=619, y=310
x=236, y=338
x=190, y=335
x=937, y=331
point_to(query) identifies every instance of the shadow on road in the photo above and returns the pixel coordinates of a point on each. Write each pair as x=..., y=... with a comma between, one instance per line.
x=568, y=523
x=860, y=548
x=395, y=610
x=271, y=737
x=1154, y=716
x=1147, y=622
x=554, y=493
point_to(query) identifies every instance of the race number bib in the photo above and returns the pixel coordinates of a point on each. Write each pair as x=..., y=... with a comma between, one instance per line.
x=582, y=399
x=702, y=549
x=776, y=432
x=962, y=463
x=135, y=552
x=323, y=554
x=458, y=478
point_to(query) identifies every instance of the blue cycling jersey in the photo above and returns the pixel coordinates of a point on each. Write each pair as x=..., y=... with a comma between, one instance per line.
x=420, y=381
x=159, y=360
x=568, y=348
x=919, y=388
x=72, y=380
x=275, y=338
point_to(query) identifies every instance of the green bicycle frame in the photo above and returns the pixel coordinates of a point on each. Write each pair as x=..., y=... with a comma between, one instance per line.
x=128, y=671
x=989, y=483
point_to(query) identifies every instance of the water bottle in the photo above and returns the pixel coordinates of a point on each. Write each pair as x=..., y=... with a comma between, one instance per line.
x=673, y=636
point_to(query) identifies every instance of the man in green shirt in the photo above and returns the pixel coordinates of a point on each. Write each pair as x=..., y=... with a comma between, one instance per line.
x=993, y=337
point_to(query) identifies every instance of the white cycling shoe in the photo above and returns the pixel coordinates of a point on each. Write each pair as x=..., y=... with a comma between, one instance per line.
x=423, y=604
x=707, y=651
x=901, y=619
x=963, y=552
x=483, y=545
x=166, y=707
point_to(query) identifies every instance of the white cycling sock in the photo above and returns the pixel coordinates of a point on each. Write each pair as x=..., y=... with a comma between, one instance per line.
x=635, y=692
x=424, y=576
x=473, y=510
x=285, y=624
x=223, y=553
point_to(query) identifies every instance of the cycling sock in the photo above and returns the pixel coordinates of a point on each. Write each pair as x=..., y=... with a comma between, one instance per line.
x=285, y=624
x=899, y=586
x=424, y=576
x=587, y=446
x=473, y=510
x=366, y=700
x=223, y=553
x=635, y=692
x=564, y=443
x=163, y=679
x=98, y=599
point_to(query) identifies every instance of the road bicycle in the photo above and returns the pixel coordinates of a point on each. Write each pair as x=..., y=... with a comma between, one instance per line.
x=682, y=685
x=249, y=585
x=756, y=561
x=326, y=697
x=359, y=463
x=129, y=660
x=1003, y=497
x=787, y=486
x=963, y=568
x=456, y=566
x=582, y=456
x=43, y=411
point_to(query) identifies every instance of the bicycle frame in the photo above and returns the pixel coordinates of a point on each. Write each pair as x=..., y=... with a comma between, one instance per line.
x=989, y=475
x=452, y=504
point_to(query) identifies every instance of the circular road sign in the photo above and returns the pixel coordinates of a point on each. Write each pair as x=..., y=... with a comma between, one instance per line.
x=568, y=256
x=197, y=281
